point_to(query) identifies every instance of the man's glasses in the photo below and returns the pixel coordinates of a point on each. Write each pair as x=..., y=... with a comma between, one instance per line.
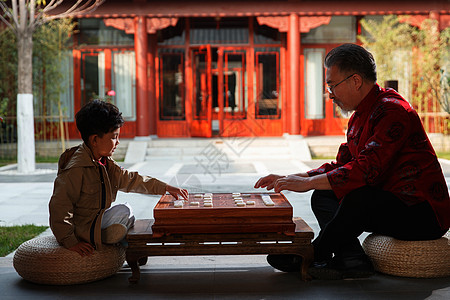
x=332, y=87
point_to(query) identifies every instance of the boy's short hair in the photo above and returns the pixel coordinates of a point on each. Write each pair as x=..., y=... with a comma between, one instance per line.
x=98, y=117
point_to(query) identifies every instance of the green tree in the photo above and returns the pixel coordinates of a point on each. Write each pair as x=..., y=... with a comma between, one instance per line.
x=432, y=64
x=8, y=88
x=425, y=56
x=390, y=42
x=52, y=42
x=23, y=17
x=8, y=73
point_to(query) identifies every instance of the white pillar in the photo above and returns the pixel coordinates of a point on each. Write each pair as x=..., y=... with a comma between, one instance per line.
x=25, y=134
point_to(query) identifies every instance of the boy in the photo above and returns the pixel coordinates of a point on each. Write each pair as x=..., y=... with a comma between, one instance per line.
x=81, y=216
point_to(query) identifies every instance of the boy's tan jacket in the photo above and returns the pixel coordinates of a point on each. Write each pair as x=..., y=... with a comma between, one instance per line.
x=80, y=197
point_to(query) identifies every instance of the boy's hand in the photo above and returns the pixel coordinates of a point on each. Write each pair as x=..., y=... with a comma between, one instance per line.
x=83, y=248
x=174, y=191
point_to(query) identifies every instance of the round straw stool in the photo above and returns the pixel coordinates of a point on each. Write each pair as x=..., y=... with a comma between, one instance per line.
x=419, y=259
x=42, y=260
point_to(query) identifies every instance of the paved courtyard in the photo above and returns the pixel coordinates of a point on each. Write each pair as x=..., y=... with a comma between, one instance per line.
x=24, y=200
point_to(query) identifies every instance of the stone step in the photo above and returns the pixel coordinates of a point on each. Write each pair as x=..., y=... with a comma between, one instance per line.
x=269, y=150
x=203, y=142
x=233, y=148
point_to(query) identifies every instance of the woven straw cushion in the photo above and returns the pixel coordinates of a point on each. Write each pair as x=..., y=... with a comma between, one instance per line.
x=42, y=260
x=420, y=259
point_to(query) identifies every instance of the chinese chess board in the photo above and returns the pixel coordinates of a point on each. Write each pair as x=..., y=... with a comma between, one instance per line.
x=223, y=213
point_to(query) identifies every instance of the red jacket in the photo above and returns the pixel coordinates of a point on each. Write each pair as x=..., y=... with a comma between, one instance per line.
x=387, y=147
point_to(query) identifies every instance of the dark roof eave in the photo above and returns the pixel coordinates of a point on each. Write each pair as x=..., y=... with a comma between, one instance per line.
x=301, y=14
x=239, y=8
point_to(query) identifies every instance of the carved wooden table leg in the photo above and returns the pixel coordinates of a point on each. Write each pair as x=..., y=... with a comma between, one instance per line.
x=307, y=259
x=135, y=272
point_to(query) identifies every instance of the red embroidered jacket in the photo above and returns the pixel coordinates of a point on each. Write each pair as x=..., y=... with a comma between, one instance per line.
x=387, y=147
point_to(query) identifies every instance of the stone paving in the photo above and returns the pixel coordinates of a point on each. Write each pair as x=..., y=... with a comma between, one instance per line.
x=24, y=200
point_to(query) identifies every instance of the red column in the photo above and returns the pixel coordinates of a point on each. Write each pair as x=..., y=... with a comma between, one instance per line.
x=152, y=84
x=434, y=15
x=294, y=72
x=142, y=104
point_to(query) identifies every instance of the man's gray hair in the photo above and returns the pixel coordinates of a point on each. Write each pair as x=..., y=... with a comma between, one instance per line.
x=351, y=58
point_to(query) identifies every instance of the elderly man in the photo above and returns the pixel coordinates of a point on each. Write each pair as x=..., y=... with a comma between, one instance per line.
x=386, y=178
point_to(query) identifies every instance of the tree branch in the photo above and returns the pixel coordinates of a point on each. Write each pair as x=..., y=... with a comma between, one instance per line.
x=74, y=7
x=77, y=8
x=22, y=15
x=8, y=24
x=7, y=12
x=32, y=17
x=52, y=3
x=15, y=12
x=20, y=21
x=35, y=19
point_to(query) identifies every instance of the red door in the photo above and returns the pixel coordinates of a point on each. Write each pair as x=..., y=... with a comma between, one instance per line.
x=320, y=115
x=201, y=125
x=232, y=93
x=219, y=93
x=96, y=71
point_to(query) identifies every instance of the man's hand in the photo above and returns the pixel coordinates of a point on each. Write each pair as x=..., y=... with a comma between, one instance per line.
x=83, y=248
x=292, y=183
x=267, y=181
x=299, y=183
x=174, y=191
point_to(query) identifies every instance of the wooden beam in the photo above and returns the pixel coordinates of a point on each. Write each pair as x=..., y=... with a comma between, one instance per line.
x=168, y=8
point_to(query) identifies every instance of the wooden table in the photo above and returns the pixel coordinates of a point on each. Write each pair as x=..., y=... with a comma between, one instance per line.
x=142, y=243
x=224, y=215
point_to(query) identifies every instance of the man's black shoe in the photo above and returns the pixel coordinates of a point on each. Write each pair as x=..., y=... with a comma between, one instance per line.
x=356, y=267
x=285, y=262
x=323, y=271
x=346, y=268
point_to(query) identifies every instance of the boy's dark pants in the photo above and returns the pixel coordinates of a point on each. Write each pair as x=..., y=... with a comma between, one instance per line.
x=367, y=209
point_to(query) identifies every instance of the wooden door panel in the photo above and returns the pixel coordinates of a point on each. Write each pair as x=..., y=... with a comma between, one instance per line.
x=201, y=96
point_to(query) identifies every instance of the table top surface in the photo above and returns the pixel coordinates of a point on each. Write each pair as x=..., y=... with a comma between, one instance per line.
x=223, y=213
x=224, y=201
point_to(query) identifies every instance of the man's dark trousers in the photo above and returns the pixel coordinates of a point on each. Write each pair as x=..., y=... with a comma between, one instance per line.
x=367, y=209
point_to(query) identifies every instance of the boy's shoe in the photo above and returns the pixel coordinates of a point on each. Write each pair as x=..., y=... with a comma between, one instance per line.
x=141, y=262
x=346, y=268
x=285, y=262
x=114, y=233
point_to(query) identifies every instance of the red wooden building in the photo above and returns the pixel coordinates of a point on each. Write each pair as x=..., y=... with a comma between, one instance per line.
x=221, y=68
